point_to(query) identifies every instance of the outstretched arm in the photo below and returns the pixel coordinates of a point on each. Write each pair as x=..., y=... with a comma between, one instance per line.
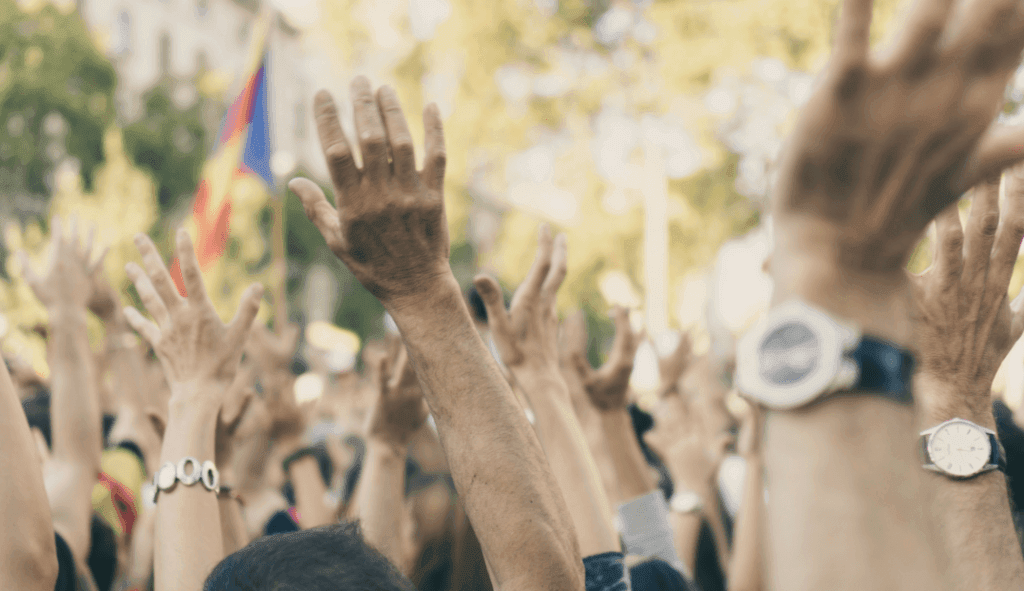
x=390, y=230
x=199, y=355
x=526, y=336
x=396, y=416
x=75, y=408
x=883, y=145
x=965, y=327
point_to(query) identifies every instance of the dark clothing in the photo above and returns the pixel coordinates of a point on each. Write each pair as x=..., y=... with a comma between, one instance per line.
x=657, y=575
x=606, y=572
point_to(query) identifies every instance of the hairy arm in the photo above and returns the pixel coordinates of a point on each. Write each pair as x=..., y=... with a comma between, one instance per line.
x=746, y=572
x=498, y=465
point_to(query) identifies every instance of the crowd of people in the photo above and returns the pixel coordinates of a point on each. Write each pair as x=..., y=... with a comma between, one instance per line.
x=850, y=441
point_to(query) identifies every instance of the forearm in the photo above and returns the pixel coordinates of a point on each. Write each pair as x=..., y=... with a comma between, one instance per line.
x=634, y=476
x=974, y=517
x=512, y=499
x=571, y=461
x=685, y=535
x=75, y=411
x=232, y=525
x=844, y=469
x=28, y=560
x=380, y=504
x=308, y=484
x=745, y=568
x=187, y=548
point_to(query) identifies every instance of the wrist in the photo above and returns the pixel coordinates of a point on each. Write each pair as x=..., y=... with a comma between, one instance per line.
x=65, y=313
x=386, y=448
x=807, y=264
x=426, y=300
x=939, y=400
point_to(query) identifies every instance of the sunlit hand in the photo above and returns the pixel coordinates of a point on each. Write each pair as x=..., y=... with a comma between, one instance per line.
x=399, y=410
x=389, y=227
x=608, y=387
x=672, y=366
x=104, y=301
x=690, y=451
x=964, y=321
x=885, y=144
x=192, y=343
x=66, y=282
x=526, y=335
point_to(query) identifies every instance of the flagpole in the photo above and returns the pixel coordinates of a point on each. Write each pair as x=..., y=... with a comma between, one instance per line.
x=278, y=240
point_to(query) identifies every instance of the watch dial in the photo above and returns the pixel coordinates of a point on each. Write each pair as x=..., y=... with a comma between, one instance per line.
x=789, y=354
x=960, y=449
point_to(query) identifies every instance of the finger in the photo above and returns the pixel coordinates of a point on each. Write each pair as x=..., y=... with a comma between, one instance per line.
x=998, y=24
x=246, y=313
x=916, y=50
x=26, y=269
x=370, y=130
x=980, y=232
x=1001, y=147
x=1008, y=236
x=190, y=272
x=624, y=345
x=541, y=266
x=682, y=351
x=144, y=327
x=558, y=269
x=435, y=158
x=340, y=162
x=72, y=236
x=949, y=255
x=494, y=303
x=147, y=293
x=319, y=211
x=850, y=54
x=57, y=242
x=582, y=366
x=157, y=271
x=403, y=156
x=574, y=332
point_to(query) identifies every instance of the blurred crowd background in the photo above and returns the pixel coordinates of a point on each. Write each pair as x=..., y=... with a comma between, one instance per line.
x=644, y=129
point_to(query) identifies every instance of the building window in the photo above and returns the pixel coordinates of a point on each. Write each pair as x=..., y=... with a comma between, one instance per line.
x=165, y=53
x=123, y=28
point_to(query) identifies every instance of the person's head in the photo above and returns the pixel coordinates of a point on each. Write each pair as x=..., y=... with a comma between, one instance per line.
x=319, y=559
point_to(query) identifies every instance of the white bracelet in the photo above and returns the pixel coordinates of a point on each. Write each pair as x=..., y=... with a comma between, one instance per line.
x=170, y=474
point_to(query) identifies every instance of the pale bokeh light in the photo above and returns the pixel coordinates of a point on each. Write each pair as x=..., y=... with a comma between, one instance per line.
x=308, y=387
x=618, y=290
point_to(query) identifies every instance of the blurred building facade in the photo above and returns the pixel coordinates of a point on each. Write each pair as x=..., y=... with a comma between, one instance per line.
x=202, y=46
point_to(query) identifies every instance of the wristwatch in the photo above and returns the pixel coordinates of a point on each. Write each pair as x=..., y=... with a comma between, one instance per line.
x=961, y=449
x=188, y=472
x=799, y=353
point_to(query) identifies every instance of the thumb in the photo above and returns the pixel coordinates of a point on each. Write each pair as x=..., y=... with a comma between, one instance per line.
x=582, y=366
x=318, y=210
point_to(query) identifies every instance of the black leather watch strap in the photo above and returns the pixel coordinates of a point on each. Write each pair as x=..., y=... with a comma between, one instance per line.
x=885, y=369
x=998, y=453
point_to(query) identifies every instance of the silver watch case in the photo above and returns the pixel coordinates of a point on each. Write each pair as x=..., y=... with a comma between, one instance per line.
x=989, y=434
x=794, y=355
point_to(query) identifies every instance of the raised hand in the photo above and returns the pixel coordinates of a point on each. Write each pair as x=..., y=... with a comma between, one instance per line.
x=608, y=386
x=273, y=352
x=192, y=343
x=965, y=323
x=399, y=410
x=103, y=301
x=389, y=226
x=66, y=282
x=527, y=333
x=236, y=403
x=885, y=144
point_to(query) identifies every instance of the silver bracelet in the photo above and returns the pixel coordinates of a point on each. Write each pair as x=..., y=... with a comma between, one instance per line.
x=188, y=472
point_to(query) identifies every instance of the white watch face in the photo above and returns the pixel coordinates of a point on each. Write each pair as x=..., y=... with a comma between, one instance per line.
x=960, y=448
x=789, y=354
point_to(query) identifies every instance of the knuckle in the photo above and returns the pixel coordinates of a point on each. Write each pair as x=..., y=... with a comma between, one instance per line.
x=953, y=241
x=1016, y=227
x=989, y=224
x=402, y=146
x=338, y=152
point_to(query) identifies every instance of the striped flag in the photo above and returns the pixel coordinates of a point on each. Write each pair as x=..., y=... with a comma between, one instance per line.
x=242, y=148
